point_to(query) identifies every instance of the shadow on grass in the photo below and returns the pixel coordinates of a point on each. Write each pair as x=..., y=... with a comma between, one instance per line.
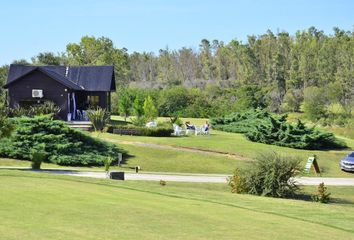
x=308, y=198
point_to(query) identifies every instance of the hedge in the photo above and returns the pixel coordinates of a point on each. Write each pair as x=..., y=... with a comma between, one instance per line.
x=140, y=131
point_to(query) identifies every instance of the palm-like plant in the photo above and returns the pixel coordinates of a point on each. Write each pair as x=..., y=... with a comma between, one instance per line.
x=99, y=118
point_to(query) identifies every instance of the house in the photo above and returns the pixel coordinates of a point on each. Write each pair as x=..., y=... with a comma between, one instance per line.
x=72, y=88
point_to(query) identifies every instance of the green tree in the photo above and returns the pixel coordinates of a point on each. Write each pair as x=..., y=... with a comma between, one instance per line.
x=3, y=76
x=47, y=58
x=99, y=51
x=125, y=104
x=172, y=101
x=138, y=109
x=150, y=111
x=314, y=103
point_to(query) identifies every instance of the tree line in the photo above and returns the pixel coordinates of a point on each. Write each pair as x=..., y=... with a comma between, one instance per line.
x=310, y=71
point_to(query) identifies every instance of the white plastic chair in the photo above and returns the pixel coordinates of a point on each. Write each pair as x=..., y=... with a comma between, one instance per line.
x=198, y=131
x=177, y=130
x=151, y=124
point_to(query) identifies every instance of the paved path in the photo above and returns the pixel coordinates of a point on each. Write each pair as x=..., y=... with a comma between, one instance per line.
x=203, y=178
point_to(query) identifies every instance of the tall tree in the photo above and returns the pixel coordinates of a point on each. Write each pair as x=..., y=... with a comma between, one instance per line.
x=48, y=58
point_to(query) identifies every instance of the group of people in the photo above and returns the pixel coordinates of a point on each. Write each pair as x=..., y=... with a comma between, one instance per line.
x=190, y=126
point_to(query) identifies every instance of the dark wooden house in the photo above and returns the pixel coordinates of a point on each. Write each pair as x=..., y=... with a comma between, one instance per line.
x=72, y=88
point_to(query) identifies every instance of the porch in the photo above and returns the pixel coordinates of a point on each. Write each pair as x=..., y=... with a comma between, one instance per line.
x=79, y=102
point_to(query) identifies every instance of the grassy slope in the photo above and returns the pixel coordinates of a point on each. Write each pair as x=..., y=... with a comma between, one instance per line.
x=157, y=160
x=42, y=206
x=238, y=144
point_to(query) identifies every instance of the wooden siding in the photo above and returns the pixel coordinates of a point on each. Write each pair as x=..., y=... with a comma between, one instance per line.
x=52, y=91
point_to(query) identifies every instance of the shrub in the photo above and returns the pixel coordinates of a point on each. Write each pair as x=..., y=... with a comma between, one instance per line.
x=99, y=118
x=37, y=156
x=138, y=121
x=46, y=108
x=6, y=126
x=236, y=182
x=64, y=145
x=141, y=131
x=277, y=132
x=107, y=163
x=242, y=122
x=261, y=126
x=270, y=175
x=322, y=195
x=163, y=183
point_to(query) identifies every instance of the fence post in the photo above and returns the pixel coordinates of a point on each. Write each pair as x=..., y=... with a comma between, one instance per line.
x=120, y=157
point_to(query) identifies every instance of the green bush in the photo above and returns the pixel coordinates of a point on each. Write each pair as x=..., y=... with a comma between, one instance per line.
x=99, y=118
x=278, y=132
x=270, y=175
x=138, y=121
x=64, y=145
x=322, y=195
x=37, y=156
x=141, y=131
x=107, y=163
x=6, y=126
x=242, y=122
x=237, y=182
x=263, y=127
x=45, y=108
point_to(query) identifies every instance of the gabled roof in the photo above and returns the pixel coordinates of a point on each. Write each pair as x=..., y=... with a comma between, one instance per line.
x=84, y=78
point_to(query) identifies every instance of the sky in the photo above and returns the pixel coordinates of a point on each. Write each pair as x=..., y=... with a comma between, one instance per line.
x=30, y=27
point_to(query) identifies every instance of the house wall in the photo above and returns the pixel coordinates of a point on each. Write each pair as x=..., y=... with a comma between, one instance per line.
x=81, y=97
x=21, y=90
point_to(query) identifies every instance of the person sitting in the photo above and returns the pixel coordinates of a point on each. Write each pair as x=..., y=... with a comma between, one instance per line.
x=206, y=126
x=189, y=126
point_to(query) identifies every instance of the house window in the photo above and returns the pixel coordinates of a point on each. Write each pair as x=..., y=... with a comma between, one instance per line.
x=93, y=101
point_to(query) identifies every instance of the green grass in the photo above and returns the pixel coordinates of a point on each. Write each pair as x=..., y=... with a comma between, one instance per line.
x=43, y=206
x=156, y=160
x=238, y=144
x=168, y=160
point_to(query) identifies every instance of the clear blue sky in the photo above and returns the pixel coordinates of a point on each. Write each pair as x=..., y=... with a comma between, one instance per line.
x=30, y=27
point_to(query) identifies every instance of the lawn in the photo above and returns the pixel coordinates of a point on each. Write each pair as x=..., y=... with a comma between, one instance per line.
x=152, y=159
x=156, y=160
x=43, y=206
x=238, y=144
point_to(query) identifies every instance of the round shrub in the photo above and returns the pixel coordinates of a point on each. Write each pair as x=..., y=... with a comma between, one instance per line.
x=270, y=175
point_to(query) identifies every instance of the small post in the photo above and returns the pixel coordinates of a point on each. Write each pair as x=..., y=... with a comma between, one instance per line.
x=137, y=168
x=120, y=158
x=315, y=165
